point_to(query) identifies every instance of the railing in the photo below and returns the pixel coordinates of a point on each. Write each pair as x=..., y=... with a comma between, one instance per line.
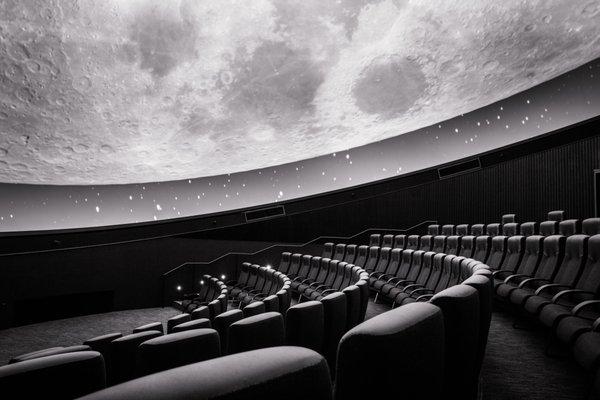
x=186, y=277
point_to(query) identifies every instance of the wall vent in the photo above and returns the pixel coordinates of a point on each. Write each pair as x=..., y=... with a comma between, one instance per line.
x=459, y=168
x=264, y=213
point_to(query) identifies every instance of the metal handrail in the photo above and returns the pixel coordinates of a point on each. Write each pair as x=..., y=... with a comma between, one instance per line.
x=313, y=241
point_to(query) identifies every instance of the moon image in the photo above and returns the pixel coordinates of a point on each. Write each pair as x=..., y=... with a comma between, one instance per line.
x=117, y=92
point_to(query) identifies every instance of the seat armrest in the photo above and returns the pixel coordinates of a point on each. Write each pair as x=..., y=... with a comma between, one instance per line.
x=413, y=287
x=531, y=281
x=566, y=293
x=515, y=277
x=326, y=292
x=548, y=287
x=404, y=281
x=502, y=273
x=424, y=297
x=585, y=304
x=421, y=290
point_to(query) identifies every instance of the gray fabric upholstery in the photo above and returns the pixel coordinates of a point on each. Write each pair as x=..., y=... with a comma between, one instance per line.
x=176, y=320
x=304, y=324
x=123, y=354
x=460, y=307
x=353, y=306
x=290, y=373
x=590, y=226
x=201, y=323
x=255, y=332
x=400, y=351
x=60, y=376
x=334, y=318
x=200, y=312
x=508, y=218
x=153, y=326
x=271, y=303
x=221, y=324
x=258, y=307
x=102, y=344
x=177, y=349
x=48, y=352
x=528, y=228
x=484, y=288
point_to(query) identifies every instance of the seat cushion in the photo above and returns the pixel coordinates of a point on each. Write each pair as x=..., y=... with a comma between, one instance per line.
x=49, y=352
x=60, y=376
x=535, y=304
x=551, y=314
x=519, y=296
x=504, y=290
x=587, y=350
x=569, y=328
x=290, y=373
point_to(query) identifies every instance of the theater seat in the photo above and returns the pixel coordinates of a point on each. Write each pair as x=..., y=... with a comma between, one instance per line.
x=153, y=326
x=460, y=308
x=482, y=284
x=568, y=227
x=123, y=354
x=587, y=288
x=48, y=352
x=304, y=324
x=508, y=218
x=200, y=312
x=255, y=332
x=587, y=348
x=477, y=229
x=59, y=376
x=433, y=229
x=510, y=229
x=462, y=229
x=291, y=373
x=402, y=352
x=334, y=324
x=177, y=349
x=258, y=307
x=374, y=240
x=568, y=271
x=353, y=306
x=176, y=320
x=448, y=230
x=201, y=323
x=528, y=229
x=101, y=344
x=590, y=226
x=557, y=215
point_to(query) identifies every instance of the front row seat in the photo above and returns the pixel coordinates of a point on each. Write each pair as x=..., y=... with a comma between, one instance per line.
x=292, y=373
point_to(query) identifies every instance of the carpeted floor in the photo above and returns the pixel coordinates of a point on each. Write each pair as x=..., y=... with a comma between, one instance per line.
x=515, y=366
x=73, y=331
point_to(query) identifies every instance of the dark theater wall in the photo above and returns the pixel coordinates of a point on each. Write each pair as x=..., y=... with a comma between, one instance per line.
x=554, y=172
x=560, y=177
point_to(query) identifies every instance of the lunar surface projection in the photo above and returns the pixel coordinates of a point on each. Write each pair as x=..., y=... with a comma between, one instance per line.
x=115, y=91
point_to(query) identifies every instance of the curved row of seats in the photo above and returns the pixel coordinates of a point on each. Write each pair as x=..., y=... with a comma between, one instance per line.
x=434, y=349
x=315, y=277
x=555, y=224
x=212, y=295
x=551, y=279
x=256, y=283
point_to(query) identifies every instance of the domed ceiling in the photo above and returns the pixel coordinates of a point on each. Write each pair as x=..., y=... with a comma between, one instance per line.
x=116, y=92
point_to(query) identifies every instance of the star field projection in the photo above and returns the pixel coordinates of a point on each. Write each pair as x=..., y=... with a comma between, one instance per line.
x=560, y=102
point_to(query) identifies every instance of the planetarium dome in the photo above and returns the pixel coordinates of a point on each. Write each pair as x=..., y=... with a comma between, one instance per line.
x=224, y=103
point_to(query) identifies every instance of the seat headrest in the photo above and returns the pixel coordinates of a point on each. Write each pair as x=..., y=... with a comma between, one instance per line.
x=548, y=228
x=508, y=218
x=557, y=215
x=591, y=226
